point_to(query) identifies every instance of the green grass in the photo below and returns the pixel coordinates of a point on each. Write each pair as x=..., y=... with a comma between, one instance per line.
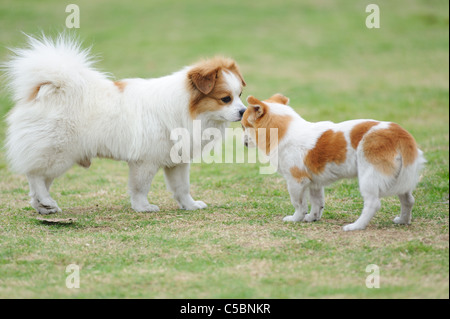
x=318, y=53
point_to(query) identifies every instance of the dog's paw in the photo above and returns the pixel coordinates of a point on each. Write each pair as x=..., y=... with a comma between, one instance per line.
x=148, y=208
x=310, y=218
x=353, y=226
x=289, y=218
x=401, y=221
x=195, y=205
x=48, y=210
x=46, y=206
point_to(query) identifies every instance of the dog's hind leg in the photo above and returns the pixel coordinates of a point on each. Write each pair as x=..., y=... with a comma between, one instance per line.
x=372, y=204
x=40, y=196
x=140, y=180
x=407, y=202
x=177, y=180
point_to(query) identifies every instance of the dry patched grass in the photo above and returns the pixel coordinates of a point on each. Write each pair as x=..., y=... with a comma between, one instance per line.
x=232, y=248
x=183, y=249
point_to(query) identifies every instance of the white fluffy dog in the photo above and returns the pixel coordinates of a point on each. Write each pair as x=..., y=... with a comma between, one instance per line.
x=67, y=113
x=383, y=156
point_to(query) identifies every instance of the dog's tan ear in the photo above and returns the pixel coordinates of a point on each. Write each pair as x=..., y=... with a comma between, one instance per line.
x=258, y=107
x=278, y=98
x=251, y=100
x=203, y=79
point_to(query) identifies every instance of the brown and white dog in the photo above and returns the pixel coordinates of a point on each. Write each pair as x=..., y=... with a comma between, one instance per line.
x=67, y=113
x=383, y=156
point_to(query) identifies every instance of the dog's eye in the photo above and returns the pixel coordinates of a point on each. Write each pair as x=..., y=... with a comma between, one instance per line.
x=226, y=99
x=240, y=94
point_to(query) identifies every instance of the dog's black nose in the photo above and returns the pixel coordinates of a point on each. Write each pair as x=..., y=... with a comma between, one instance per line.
x=242, y=111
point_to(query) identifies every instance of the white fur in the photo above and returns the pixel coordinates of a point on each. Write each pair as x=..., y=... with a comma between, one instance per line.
x=80, y=114
x=302, y=136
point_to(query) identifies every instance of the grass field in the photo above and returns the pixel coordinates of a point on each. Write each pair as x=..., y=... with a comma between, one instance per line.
x=322, y=56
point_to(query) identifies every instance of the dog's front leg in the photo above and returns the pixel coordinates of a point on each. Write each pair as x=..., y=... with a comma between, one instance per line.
x=297, y=191
x=40, y=196
x=177, y=180
x=317, y=199
x=140, y=179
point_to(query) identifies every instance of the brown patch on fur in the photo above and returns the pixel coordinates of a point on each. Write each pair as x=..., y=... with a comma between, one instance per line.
x=35, y=91
x=258, y=116
x=120, y=85
x=382, y=146
x=331, y=147
x=85, y=162
x=207, y=84
x=359, y=130
x=299, y=174
x=278, y=98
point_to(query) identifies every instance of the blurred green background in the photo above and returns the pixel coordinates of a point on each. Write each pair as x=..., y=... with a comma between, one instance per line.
x=332, y=67
x=319, y=53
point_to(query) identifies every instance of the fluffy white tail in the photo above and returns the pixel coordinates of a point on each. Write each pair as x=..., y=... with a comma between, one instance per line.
x=47, y=66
